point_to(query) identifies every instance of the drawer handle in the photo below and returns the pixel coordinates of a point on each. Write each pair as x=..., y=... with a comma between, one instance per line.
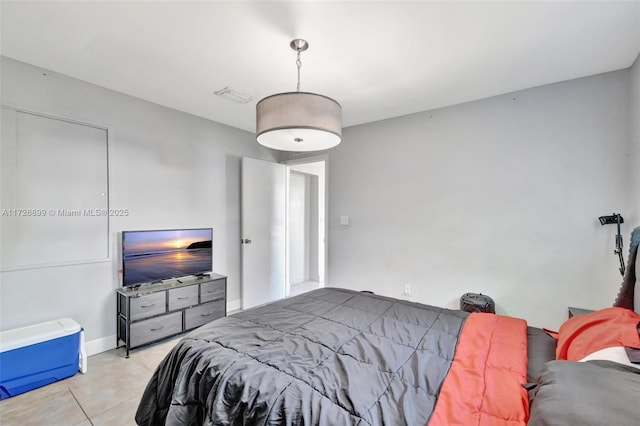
x=182, y=298
x=156, y=329
x=147, y=306
x=206, y=315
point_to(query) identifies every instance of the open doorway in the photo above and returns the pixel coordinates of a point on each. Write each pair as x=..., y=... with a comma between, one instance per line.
x=306, y=249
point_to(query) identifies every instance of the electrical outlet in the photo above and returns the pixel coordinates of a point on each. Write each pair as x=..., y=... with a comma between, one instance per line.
x=407, y=290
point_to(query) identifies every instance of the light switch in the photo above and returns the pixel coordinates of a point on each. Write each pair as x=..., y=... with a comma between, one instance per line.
x=344, y=220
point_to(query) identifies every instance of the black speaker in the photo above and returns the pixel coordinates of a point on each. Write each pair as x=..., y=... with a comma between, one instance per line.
x=477, y=302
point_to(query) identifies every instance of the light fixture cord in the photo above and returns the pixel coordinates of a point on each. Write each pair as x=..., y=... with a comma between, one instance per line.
x=299, y=65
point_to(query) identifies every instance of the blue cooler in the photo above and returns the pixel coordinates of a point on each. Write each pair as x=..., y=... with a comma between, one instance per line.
x=40, y=354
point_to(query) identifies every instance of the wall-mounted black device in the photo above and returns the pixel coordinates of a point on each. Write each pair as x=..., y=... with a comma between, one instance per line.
x=617, y=219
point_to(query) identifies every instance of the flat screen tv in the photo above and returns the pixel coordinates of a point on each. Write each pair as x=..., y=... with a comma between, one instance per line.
x=152, y=256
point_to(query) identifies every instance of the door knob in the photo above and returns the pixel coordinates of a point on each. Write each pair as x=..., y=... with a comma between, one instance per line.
x=245, y=241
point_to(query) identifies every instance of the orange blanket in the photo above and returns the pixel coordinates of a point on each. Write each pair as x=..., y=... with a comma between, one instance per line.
x=584, y=334
x=484, y=384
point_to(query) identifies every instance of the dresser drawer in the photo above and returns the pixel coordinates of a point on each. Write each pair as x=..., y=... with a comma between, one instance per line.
x=155, y=328
x=183, y=297
x=202, y=314
x=148, y=305
x=212, y=290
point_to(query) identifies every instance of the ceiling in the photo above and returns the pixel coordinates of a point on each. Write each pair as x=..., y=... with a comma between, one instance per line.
x=378, y=59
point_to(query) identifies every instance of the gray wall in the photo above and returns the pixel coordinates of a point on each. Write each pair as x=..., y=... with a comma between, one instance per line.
x=499, y=196
x=169, y=169
x=635, y=143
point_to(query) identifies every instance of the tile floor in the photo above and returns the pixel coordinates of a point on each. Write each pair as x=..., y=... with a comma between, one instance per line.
x=108, y=394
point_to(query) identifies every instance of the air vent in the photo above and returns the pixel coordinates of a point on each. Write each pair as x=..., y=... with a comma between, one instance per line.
x=233, y=96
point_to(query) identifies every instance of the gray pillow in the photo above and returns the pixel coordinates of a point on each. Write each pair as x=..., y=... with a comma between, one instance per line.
x=591, y=393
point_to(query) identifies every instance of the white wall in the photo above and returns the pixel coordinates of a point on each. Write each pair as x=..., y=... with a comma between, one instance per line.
x=315, y=170
x=635, y=144
x=499, y=196
x=299, y=227
x=169, y=169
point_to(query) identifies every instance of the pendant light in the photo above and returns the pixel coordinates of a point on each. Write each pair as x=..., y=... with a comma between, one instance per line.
x=298, y=121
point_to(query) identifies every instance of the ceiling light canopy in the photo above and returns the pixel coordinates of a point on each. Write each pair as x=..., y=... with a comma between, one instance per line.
x=298, y=121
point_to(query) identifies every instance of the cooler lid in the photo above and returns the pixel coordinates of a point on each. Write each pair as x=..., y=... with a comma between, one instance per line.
x=37, y=333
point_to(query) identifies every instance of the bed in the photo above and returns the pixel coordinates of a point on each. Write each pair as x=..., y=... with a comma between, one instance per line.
x=341, y=357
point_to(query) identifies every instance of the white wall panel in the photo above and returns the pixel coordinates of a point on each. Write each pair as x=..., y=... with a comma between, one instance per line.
x=57, y=175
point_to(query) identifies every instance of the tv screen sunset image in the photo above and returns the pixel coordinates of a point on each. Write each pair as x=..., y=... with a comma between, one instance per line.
x=149, y=256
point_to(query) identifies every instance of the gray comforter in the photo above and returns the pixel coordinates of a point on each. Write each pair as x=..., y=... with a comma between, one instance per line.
x=330, y=356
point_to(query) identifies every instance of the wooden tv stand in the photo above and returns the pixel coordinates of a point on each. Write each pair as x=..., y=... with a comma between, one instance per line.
x=153, y=312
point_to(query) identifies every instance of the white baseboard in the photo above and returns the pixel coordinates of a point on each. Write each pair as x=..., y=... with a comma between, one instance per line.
x=100, y=345
x=234, y=305
x=104, y=344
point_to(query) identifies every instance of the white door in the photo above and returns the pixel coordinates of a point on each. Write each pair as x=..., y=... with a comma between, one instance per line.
x=263, y=232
